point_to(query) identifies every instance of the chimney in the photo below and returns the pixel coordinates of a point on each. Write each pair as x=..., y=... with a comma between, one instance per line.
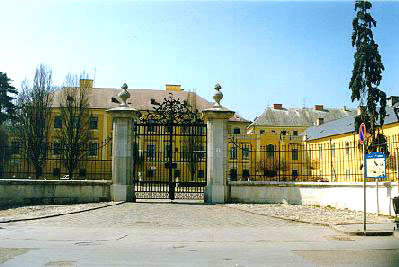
x=173, y=87
x=392, y=100
x=319, y=107
x=86, y=83
x=278, y=106
x=319, y=121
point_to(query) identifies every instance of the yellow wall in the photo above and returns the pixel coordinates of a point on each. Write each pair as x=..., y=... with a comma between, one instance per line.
x=341, y=158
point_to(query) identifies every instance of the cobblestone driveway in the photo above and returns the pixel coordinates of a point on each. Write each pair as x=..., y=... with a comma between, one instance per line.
x=186, y=214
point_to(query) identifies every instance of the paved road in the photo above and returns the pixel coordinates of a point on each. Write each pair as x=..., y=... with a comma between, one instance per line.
x=165, y=234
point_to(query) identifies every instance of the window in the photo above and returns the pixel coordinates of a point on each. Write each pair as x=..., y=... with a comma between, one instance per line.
x=236, y=131
x=151, y=126
x=150, y=173
x=233, y=153
x=151, y=150
x=93, y=123
x=332, y=150
x=57, y=148
x=15, y=147
x=245, y=153
x=58, y=122
x=93, y=147
x=168, y=129
x=347, y=148
x=82, y=172
x=245, y=173
x=294, y=173
x=262, y=131
x=185, y=153
x=295, y=154
x=283, y=132
x=270, y=150
x=56, y=172
x=176, y=173
x=167, y=151
x=200, y=151
x=200, y=173
x=348, y=173
x=75, y=122
x=320, y=152
x=233, y=174
x=199, y=130
x=295, y=133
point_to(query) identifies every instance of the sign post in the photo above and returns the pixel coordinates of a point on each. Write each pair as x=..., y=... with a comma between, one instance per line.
x=362, y=135
x=376, y=169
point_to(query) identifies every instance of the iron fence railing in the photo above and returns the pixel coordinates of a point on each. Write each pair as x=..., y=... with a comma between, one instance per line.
x=94, y=162
x=303, y=162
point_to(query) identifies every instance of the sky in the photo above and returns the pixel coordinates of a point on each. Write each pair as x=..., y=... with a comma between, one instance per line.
x=261, y=52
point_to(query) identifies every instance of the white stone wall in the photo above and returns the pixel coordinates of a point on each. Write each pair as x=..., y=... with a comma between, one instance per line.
x=339, y=195
x=25, y=191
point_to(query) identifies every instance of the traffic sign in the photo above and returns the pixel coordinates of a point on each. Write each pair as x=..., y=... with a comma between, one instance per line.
x=362, y=133
x=376, y=165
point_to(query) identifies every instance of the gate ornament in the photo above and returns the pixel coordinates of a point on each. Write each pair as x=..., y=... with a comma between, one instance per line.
x=217, y=96
x=124, y=95
x=172, y=111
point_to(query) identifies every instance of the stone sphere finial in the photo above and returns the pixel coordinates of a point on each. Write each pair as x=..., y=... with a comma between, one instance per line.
x=124, y=95
x=217, y=96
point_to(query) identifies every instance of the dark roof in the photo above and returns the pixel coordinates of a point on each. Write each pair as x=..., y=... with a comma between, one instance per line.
x=343, y=126
x=299, y=116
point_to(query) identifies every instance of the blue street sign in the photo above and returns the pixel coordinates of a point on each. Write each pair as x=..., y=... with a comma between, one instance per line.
x=362, y=133
x=376, y=165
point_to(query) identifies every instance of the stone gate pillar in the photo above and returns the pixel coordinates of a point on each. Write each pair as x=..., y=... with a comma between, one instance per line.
x=123, y=118
x=216, y=118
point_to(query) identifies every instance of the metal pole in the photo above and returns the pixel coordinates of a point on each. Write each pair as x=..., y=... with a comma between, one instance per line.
x=397, y=164
x=378, y=203
x=364, y=188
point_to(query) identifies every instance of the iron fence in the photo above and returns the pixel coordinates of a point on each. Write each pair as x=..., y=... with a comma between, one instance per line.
x=93, y=163
x=326, y=161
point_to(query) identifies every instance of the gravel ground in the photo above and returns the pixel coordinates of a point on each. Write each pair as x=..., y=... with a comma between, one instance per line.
x=311, y=214
x=28, y=212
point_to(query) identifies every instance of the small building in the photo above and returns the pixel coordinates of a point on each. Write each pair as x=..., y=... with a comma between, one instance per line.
x=335, y=150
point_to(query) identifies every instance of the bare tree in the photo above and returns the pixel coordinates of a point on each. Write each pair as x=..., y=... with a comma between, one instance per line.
x=74, y=135
x=34, y=116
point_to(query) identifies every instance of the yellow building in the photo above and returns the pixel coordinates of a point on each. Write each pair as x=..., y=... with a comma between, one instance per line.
x=274, y=141
x=335, y=151
x=98, y=161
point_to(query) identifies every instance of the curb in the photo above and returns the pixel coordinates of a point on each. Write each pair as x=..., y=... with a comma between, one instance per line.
x=60, y=214
x=362, y=233
x=332, y=226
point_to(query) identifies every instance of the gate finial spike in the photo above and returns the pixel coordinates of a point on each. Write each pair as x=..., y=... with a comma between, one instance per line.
x=124, y=95
x=217, y=96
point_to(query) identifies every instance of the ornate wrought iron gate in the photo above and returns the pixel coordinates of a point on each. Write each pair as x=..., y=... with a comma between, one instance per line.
x=170, y=153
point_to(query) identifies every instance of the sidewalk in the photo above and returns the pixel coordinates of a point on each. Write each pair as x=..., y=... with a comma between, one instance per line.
x=372, y=229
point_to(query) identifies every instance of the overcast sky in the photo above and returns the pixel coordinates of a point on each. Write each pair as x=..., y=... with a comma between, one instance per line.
x=295, y=53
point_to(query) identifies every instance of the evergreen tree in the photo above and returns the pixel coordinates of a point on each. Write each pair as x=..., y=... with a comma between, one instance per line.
x=366, y=74
x=7, y=107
